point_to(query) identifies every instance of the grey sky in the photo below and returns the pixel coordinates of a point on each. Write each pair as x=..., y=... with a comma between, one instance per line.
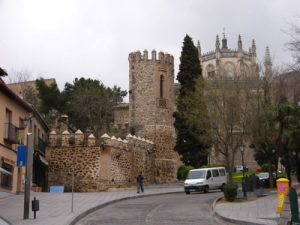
x=65, y=39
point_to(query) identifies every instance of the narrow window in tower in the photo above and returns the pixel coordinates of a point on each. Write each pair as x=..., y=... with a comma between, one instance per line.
x=161, y=95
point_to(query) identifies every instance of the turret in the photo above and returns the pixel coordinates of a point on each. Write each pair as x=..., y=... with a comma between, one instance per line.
x=253, y=48
x=268, y=63
x=224, y=42
x=217, y=43
x=253, y=52
x=240, y=45
x=199, y=49
x=151, y=98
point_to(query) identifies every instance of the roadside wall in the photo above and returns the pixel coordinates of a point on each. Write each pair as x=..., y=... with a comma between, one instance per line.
x=112, y=163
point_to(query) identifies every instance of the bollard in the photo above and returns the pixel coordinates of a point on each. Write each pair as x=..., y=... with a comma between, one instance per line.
x=35, y=206
x=294, y=206
x=282, y=190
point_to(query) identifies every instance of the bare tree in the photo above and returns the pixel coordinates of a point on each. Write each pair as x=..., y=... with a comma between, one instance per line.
x=294, y=43
x=228, y=101
x=22, y=85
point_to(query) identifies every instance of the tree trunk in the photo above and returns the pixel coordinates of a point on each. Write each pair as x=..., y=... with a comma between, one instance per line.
x=270, y=173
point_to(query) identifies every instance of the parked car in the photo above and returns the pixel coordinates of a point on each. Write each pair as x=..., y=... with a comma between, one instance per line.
x=239, y=168
x=264, y=179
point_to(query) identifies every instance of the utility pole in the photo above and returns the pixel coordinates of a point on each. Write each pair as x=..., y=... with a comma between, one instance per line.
x=28, y=169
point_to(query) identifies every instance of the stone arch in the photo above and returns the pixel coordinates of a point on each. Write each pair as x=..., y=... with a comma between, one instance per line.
x=210, y=71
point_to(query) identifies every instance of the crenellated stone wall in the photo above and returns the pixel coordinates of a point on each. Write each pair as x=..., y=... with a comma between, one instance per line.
x=115, y=163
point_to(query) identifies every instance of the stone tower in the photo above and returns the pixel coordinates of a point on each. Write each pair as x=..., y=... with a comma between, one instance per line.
x=151, y=107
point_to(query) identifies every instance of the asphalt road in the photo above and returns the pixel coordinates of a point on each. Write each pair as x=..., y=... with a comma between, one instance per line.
x=169, y=209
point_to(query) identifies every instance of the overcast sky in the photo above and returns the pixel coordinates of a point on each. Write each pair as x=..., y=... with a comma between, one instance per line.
x=64, y=39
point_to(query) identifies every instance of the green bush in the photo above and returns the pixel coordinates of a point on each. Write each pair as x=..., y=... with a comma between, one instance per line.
x=265, y=167
x=281, y=175
x=183, y=171
x=230, y=192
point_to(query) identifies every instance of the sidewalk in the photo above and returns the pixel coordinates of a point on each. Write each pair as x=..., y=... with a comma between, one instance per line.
x=259, y=211
x=255, y=211
x=55, y=208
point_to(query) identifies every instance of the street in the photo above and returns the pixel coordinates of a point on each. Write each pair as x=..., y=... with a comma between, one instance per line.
x=169, y=209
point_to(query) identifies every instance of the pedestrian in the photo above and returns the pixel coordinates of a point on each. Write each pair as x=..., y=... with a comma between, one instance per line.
x=140, y=183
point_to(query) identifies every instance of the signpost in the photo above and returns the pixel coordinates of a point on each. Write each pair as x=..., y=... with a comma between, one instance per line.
x=21, y=157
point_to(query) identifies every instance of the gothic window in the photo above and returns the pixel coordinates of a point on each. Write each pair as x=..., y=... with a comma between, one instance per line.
x=246, y=70
x=229, y=70
x=210, y=70
x=161, y=86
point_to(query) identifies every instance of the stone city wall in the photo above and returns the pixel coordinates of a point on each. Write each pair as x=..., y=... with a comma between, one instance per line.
x=113, y=163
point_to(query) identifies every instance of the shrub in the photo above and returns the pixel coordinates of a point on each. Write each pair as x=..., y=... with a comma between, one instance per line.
x=230, y=192
x=183, y=171
x=265, y=167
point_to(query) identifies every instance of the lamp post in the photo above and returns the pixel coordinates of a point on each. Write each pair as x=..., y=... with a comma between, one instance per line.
x=242, y=150
x=28, y=169
x=28, y=175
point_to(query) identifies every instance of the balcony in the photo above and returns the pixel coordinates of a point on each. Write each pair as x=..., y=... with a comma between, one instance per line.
x=41, y=146
x=10, y=133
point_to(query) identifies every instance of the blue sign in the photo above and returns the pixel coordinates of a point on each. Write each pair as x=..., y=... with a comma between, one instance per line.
x=21, y=158
x=59, y=189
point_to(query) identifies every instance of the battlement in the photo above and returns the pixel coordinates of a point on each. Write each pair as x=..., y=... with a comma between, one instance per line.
x=99, y=164
x=164, y=58
x=67, y=139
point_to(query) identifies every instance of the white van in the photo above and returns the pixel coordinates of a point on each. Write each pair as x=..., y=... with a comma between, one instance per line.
x=205, y=179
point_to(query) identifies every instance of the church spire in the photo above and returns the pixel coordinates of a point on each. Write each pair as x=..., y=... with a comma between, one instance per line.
x=199, y=49
x=268, y=63
x=217, y=43
x=253, y=48
x=240, y=45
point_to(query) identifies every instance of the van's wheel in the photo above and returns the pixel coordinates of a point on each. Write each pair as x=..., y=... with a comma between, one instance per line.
x=206, y=189
x=187, y=192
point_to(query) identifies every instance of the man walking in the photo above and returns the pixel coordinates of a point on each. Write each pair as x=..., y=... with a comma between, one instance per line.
x=140, y=183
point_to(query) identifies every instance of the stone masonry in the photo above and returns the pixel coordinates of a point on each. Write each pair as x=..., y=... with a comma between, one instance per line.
x=114, y=163
x=151, y=108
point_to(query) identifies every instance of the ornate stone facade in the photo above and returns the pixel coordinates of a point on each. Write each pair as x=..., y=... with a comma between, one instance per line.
x=225, y=62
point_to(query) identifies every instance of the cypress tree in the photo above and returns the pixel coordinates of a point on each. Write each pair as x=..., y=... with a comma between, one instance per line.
x=191, y=120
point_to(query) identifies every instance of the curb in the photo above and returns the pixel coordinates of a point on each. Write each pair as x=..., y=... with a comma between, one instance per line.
x=235, y=221
x=89, y=211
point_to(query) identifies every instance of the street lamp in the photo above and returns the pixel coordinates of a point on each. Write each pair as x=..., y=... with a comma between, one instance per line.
x=28, y=168
x=242, y=150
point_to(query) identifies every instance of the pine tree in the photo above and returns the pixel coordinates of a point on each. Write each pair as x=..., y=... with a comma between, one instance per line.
x=191, y=119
